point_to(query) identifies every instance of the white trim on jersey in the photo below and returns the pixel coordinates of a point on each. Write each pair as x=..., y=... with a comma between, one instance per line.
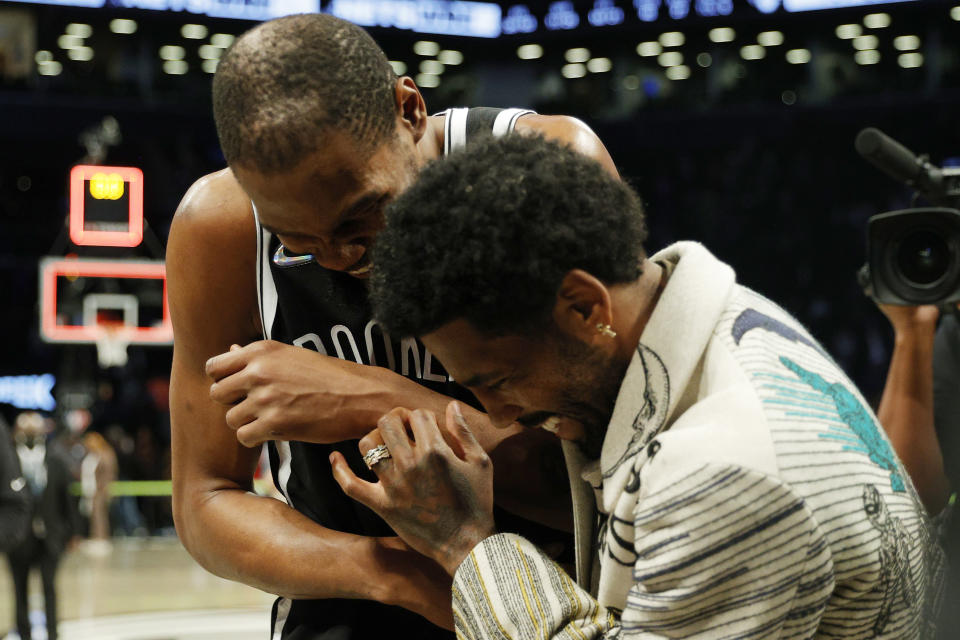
x=455, y=136
x=283, y=473
x=507, y=120
x=267, y=299
x=283, y=611
x=266, y=287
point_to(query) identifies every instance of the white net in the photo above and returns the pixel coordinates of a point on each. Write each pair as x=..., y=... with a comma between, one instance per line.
x=111, y=347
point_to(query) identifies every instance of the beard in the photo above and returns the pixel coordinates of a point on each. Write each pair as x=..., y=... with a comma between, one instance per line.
x=592, y=381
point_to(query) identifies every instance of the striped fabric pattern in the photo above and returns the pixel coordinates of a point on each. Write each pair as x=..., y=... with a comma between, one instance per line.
x=745, y=490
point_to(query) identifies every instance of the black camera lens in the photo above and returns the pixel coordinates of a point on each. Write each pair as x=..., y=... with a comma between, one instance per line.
x=923, y=257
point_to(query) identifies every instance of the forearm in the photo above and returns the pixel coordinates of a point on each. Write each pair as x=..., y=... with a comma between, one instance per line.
x=266, y=544
x=506, y=579
x=906, y=413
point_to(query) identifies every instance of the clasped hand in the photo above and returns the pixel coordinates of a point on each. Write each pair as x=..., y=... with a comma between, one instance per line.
x=437, y=497
x=276, y=391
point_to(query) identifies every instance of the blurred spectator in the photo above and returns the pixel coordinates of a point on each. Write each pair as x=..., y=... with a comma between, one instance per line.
x=97, y=472
x=14, y=499
x=51, y=510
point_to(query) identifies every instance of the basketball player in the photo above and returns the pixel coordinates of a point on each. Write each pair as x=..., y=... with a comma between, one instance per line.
x=319, y=135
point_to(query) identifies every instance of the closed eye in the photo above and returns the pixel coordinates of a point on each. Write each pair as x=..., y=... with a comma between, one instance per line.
x=498, y=385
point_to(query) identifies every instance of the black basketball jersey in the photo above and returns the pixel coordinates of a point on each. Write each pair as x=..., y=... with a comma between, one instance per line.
x=328, y=311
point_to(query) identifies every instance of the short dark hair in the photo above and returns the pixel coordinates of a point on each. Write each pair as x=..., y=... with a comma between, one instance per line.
x=286, y=83
x=489, y=233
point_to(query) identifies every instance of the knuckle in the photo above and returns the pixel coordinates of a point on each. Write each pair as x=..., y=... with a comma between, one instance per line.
x=484, y=461
x=257, y=372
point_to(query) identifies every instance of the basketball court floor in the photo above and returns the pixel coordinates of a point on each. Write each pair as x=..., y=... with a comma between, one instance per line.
x=142, y=589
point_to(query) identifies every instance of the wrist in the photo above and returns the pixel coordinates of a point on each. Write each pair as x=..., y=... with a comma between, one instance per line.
x=454, y=556
x=915, y=334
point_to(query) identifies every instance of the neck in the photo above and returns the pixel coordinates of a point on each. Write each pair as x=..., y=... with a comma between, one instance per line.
x=633, y=303
x=430, y=146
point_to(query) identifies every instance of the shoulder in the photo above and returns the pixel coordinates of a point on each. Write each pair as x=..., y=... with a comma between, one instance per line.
x=217, y=199
x=572, y=131
x=555, y=126
x=211, y=260
x=214, y=215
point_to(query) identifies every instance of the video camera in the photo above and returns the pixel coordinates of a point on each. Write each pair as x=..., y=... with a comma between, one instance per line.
x=913, y=255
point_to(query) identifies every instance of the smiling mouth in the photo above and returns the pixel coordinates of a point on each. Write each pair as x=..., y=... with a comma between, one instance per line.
x=551, y=424
x=362, y=267
x=541, y=420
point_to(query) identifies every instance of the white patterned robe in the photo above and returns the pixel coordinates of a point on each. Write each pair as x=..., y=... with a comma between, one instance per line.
x=745, y=490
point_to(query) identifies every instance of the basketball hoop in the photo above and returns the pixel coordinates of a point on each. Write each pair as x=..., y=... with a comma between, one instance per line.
x=112, y=343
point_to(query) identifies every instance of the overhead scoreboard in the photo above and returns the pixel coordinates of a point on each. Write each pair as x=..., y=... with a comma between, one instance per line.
x=478, y=19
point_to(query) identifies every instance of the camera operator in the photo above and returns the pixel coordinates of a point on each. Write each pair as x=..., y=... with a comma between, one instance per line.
x=909, y=412
x=920, y=411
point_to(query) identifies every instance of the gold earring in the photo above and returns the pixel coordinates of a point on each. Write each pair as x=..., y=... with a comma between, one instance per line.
x=607, y=330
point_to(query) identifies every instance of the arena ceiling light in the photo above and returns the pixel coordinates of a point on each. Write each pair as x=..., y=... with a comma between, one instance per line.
x=67, y=41
x=864, y=43
x=722, y=34
x=868, y=56
x=910, y=60
x=81, y=54
x=450, y=57
x=210, y=52
x=43, y=56
x=753, y=52
x=123, y=26
x=679, y=72
x=599, y=65
x=399, y=67
x=670, y=58
x=955, y=13
x=529, y=52
x=175, y=67
x=426, y=48
x=78, y=29
x=431, y=67
x=848, y=31
x=576, y=55
x=906, y=43
x=672, y=39
x=574, y=70
x=770, y=38
x=876, y=20
x=222, y=40
x=704, y=59
x=649, y=49
x=798, y=56
x=210, y=66
x=427, y=80
x=631, y=82
x=193, y=31
x=51, y=68
x=172, y=52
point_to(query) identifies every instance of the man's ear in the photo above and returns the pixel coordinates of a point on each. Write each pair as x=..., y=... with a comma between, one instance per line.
x=583, y=302
x=410, y=108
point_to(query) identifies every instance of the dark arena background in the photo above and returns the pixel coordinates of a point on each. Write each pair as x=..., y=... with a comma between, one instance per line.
x=735, y=120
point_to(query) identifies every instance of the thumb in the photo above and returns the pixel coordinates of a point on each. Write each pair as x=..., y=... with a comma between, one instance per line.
x=460, y=431
x=235, y=347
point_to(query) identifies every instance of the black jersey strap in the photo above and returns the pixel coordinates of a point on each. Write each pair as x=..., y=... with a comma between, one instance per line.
x=463, y=125
x=480, y=121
